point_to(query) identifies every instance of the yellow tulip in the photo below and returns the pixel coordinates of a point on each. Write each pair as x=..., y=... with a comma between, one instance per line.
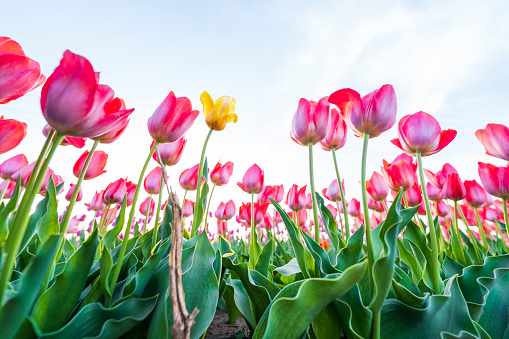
x=219, y=114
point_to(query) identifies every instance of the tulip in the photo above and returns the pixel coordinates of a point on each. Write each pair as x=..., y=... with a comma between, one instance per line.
x=324, y=244
x=413, y=195
x=113, y=134
x=188, y=209
x=73, y=102
x=495, y=180
x=332, y=193
x=225, y=211
x=12, y=165
x=7, y=189
x=253, y=179
x=475, y=194
x=420, y=133
x=354, y=208
x=454, y=188
x=495, y=139
x=69, y=193
x=434, y=193
x=301, y=216
x=266, y=193
x=57, y=180
x=12, y=132
x=333, y=210
x=188, y=180
x=442, y=208
x=295, y=198
x=375, y=205
x=218, y=114
x=438, y=178
x=115, y=192
x=97, y=203
x=147, y=207
x=19, y=73
x=376, y=187
x=259, y=212
x=66, y=141
x=310, y=122
x=95, y=167
x=171, y=152
x=131, y=190
x=398, y=175
x=172, y=119
x=221, y=173
x=279, y=192
x=336, y=132
x=372, y=114
x=309, y=201
x=152, y=181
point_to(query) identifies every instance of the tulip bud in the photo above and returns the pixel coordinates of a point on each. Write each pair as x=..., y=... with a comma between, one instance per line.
x=69, y=194
x=188, y=180
x=115, y=192
x=296, y=199
x=152, y=181
x=221, y=173
x=476, y=195
x=310, y=122
x=376, y=187
x=252, y=182
x=454, y=188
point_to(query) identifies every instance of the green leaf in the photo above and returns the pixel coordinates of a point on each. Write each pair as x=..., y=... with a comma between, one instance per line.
x=330, y=224
x=289, y=269
x=106, y=265
x=319, y=255
x=495, y=317
x=262, y=265
x=6, y=211
x=241, y=300
x=48, y=223
x=351, y=254
x=111, y=235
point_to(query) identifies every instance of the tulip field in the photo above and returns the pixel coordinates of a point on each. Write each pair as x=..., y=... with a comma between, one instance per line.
x=415, y=253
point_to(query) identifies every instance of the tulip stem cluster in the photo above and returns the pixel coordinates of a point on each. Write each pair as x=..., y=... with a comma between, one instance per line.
x=343, y=200
x=313, y=194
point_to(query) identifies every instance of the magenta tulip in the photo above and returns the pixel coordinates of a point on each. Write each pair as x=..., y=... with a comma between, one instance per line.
x=454, y=188
x=11, y=185
x=225, y=211
x=188, y=180
x=97, y=203
x=115, y=192
x=476, y=195
x=76, y=142
x=295, y=198
x=333, y=193
x=147, y=206
x=434, y=193
x=354, y=208
x=152, y=181
x=376, y=187
x=188, y=209
x=398, y=175
x=69, y=193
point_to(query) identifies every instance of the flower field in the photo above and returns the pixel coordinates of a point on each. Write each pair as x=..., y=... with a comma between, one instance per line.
x=415, y=254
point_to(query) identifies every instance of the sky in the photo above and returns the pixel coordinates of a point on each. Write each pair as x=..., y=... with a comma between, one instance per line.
x=447, y=58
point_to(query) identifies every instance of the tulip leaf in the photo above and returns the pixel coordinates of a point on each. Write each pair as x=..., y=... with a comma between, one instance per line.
x=289, y=269
x=330, y=224
x=495, y=316
x=112, y=234
x=262, y=264
x=241, y=300
x=6, y=211
x=319, y=255
x=106, y=266
x=351, y=254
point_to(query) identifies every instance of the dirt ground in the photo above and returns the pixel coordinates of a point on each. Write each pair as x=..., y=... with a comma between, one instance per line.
x=220, y=329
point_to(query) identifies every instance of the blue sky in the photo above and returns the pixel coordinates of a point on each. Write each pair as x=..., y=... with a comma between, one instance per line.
x=449, y=59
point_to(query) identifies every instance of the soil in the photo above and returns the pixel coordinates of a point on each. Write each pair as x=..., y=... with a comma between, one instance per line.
x=220, y=329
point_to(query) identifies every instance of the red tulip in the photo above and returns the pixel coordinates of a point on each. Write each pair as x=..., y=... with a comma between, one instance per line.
x=302, y=217
x=115, y=192
x=69, y=194
x=354, y=208
x=332, y=193
x=74, y=104
x=97, y=203
x=476, y=195
x=18, y=73
x=188, y=180
x=454, y=188
x=259, y=212
x=495, y=180
x=147, y=206
x=252, y=182
x=376, y=187
x=372, y=114
x=295, y=198
x=434, y=193
x=310, y=122
x=12, y=132
x=171, y=119
x=170, y=152
x=11, y=185
x=398, y=175
x=495, y=139
x=221, y=173
x=188, y=209
x=225, y=211
x=131, y=190
x=324, y=244
x=95, y=167
x=12, y=165
x=336, y=133
x=438, y=178
x=421, y=133
x=76, y=142
x=152, y=181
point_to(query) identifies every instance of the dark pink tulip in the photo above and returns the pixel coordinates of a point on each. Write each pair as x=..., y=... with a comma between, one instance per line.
x=12, y=165
x=97, y=203
x=375, y=205
x=372, y=114
x=476, y=195
x=188, y=180
x=225, y=211
x=309, y=201
x=376, y=187
x=333, y=193
x=115, y=192
x=410, y=160
x=354, y=208
x=414, y=195
x=438, y=178
x=76, y=142
x=24, y=174
x=113, y=134
x=302, y=217
x=495, y=180
x=454, y=188
x=491, y=214
x=11, y=185
x=152, y=181
x=259, y=212
x=277, y=217
x=267, y=221
x=221, y=174
x=336, y=133
x=69, y=193
x=73, y=102
x=421, y=133
x=252, y=182
x=188, y=209
x=12, y=132
x=266, y=193
x=279, y=193
x=442, y=208
x=95, y=167
x=495, y=139
x=434, y=193
x=131, y=190
x=172, y=119
x=170, y=152
x=398, y=175
x=310, y=122
x=333, y=210
x=295, y=198
x=18, y=73
x=147, y=206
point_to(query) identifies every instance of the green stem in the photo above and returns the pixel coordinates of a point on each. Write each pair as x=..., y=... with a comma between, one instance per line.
x=481, y=229
x=343, y=200
x=313, y=194
x=159, y=203
x=146, y=214
x=435, y=269
x=506, y=218
x=253, y=239
x=123, y=249
x=208, y=205
x=196, y=222
x=499, y=232
x=461, y=254
x=343, y=229
x=474, y=241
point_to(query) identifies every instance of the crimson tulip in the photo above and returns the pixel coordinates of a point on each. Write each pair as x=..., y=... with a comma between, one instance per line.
x=171, y=152
x=221, y=174
x=18, y=73
x=372, y=114
x=188, y=180
x=253, y=179
x=296, y=198
x=398, y=175
x=12, y=132
x=188, y=209
x=152, y=181
x=476, y=195
x=75, y=104
x=95, y=167
x=115, y=192
x=495, y=180
x=310, y=122
x=172, y=119
x=12, y=165
x=336, y=132
x=147, y=207
x=66, y=141
x=376, y=187
x=69, y=193
x=454, y=188
x=495, y=139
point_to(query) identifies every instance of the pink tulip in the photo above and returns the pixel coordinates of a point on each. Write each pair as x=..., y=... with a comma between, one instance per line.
x=221, y=174
x=18, y=73
x=434, y=193
x=57, y=180
x=11, y=185
x=147, y=206
x=12, y=132
x=97, y=203
x=73, y=102
x=372, y=114
x=476, y=195
x=131, y=190
x=152, y=181
x=295, y=198
x=375, y=205
x=302, y=217
x=188, y=209
x=252, y=182
x=171, y=152
x=333, y=210
x=414, y=195
x=76, y=142
x=354, y=208
x=225, y=211
x=172, y=119
x=421, y=133
x=398, y=175
x=12, y=165
x=266, y=193
x=336, y=133
x=95, y=167
x=113, y=134
x=267, y=222
x=495, y=139
x=438, y=178
x=259, y=212
x=454, y=188
x=188, y=180
x=443, y=209
x=309, y=201
x=69, y=194
x=376, y=187
x=115, y=192
x=310, y=122
x=333, y=193
x=24, y=174
x=495, y=180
